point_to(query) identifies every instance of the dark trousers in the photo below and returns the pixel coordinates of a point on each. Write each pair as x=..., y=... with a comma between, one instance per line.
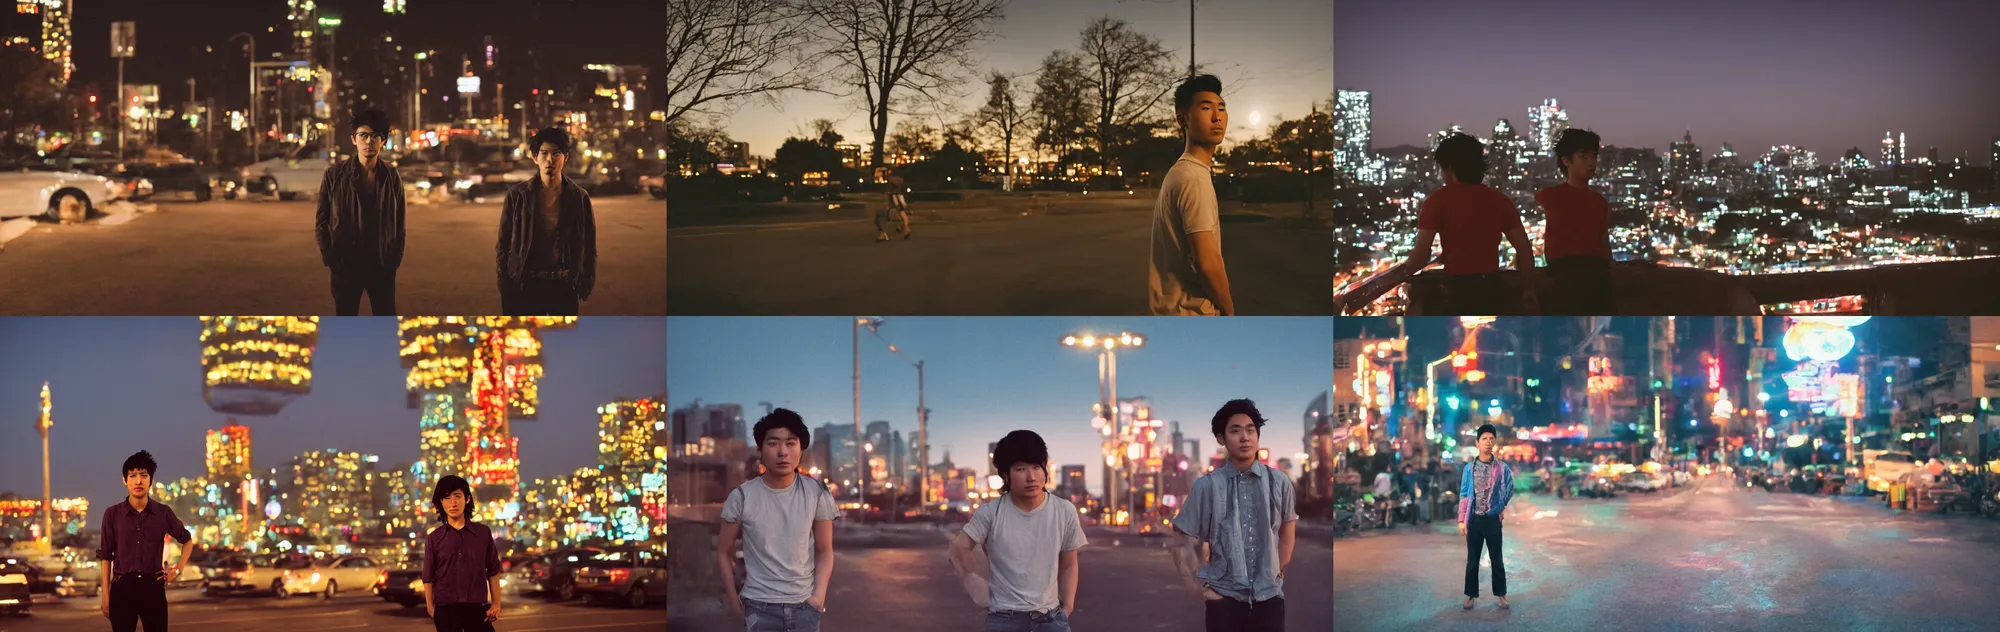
x=349, y=285
x=136, y=599
x=462, y=617
x=1231, y=615
x=539, y=297
x=1478, y=294
x=1583, y=287
x=1483, y=530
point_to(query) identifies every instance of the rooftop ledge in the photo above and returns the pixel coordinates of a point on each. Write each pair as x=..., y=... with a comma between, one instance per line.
x=1950, y=288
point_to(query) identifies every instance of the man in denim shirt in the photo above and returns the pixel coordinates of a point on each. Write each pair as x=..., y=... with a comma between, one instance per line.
x=1483, y=491
x=1244, y=513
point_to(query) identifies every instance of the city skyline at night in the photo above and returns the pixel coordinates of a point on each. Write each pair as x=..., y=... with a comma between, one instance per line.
x=120, y=385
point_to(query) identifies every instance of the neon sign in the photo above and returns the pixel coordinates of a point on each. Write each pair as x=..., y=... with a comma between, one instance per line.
x=1821, y=338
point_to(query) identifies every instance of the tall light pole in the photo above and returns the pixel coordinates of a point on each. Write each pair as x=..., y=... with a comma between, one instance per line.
x=1107, y=382
x=251, y=42
x=42, y=424
x=874, y=326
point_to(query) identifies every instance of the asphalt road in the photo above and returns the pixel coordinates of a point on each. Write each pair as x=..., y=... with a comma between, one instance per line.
x=359, y=612
x=1716, y=557
x=1127, y=585
x=1008, y=258
x=260, y=257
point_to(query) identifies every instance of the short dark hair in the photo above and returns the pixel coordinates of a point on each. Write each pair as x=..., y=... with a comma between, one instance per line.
x=1575, y=140
x=1184, y=95
x=445, y=486
x=783, y=418
x=141, y=460
x=1464, y=156
x=1020, y=446
x=1233, y=408
x=1487, y=429
x=556, y=135
x=375, y=120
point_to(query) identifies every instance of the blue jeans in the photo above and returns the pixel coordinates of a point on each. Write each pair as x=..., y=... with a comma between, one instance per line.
x=759, y=616
x=1009, y=621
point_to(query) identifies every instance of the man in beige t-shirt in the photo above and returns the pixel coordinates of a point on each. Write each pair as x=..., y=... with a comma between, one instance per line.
x=1185, y=276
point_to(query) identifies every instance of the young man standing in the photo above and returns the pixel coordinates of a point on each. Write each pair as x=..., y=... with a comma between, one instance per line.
x=1483, y=491
x=1470, y=219
x=1245, y=516
x=786, y=522
x=547, y=253
x=360, y=222
x=1577, y=244
x=1185, y=276
x=1030, y=538
x=461, y=565
x=132, y=539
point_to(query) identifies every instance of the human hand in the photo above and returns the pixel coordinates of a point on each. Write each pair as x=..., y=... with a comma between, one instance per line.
x=735, y=606
x=818, y=602
x=171, y=573
x=1461, y=528
x=1067, y=609
x=430, y=611
x=1210, y=595
x=493, y=612
x=104, y=608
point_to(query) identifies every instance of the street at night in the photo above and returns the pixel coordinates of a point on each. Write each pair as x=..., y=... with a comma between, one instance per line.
x=260, y=258
x=359, y=612
x=1088, y=257
x=1710, y=556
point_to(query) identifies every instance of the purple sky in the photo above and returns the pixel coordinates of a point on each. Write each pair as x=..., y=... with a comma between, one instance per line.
x=1270, y=54
x=1825, y=75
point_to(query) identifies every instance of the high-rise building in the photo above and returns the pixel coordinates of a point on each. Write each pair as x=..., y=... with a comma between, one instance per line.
x=1352, y=131
x=1439, y=136
x=471, y=377
x=627, y=434
x=54, y=43
x=1073, y=486
x=328, y=493
x=303, y=16
x=256, y=365
x=1508, y=152
x=1683, y=164
x=1547, y=122
x=229, y=452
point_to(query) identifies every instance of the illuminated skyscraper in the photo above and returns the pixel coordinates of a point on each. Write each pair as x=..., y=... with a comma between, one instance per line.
x=1352, y=131
x=327, y=492
x=472, y=377
x=229, y=452
x=55, y=41
x=630, y=433
x=1547, y=121
x=395, y=7
x=303, y=16
x=1683, y=164
x=256, y=365
x=1509, y=154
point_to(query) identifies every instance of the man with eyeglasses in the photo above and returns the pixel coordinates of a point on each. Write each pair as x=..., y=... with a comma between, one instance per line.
x=360, y=222
x=547, y=255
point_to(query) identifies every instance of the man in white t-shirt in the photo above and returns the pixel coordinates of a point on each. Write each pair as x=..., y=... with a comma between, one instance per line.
x=1030, y=538
x=785, y=520
x=1185, y=275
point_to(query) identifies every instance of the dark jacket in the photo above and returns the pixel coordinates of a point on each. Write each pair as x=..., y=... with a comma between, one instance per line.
x=340, y=206
x=577, y=250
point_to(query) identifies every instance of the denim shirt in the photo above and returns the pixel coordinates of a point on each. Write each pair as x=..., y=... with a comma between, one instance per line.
x=1239, y=514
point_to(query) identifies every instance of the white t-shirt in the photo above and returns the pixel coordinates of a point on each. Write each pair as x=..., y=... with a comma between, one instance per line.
x=778, y=561
x=1186, y=206
x=1025, y=548
x=1382, y=484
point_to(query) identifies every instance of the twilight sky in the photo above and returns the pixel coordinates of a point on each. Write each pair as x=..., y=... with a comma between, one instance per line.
x=1270, y=54
x=984, y=377
x=1824, y=75
x=121, y=385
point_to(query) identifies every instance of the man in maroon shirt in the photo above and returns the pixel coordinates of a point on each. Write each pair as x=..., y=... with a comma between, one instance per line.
x=132, y=539
x=1471, y=217
x=461, y=565
x=1577, y=244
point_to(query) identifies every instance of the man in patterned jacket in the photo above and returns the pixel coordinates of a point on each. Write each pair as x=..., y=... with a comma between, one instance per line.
x=1483, y=491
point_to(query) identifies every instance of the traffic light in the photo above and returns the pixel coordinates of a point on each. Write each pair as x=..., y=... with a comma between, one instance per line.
x=1466, y=365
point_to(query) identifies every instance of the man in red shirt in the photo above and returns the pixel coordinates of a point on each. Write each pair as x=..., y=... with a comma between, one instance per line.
x=1470, y=218
x=1577, y=244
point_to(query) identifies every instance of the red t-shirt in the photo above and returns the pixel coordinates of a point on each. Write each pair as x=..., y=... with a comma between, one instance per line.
x=1579, y=222
x=1470, y=220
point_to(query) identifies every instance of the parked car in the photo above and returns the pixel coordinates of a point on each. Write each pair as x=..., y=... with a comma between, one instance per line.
x=298, y=171
x=243, y=574
x=1883, y=468
x=15, y=597
x=328, y=578
x=631, y=577
x=186, y=179
x=55, y=194
x=556, y=575
x=1641, y=481
x=403, y=585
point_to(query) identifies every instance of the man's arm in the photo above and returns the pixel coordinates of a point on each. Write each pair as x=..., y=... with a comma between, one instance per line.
x=1524, y=250
x=1420, y=254
x=107, y=553
x=586, y=279
x=963, y=561
x=507, y=205
x=323, y=218
x=822, y=562
x=725, y=561
x=1207, y=246
x=396, y=195
x=1066, y=564
x=1188, y=557
x=1288, y=535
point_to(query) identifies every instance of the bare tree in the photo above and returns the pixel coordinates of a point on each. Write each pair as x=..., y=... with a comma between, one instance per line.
x=1060, y=109
x=1003, y=116
x=1130, y=75
x=889, y=52
x=723, y=51
x=915, y=140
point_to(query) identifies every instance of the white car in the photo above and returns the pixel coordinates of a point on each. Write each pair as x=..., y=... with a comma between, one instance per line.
x=329, y=578
x=301, y=171
x=55, y=194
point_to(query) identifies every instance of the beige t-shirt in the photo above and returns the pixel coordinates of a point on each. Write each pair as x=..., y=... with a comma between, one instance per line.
x=1186, y=206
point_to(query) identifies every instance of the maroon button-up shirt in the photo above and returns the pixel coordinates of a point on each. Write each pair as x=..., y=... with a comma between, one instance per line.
x=457, y=563
x=135, y=541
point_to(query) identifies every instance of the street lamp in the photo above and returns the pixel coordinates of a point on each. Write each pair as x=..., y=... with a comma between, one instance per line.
x=1107, y=388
